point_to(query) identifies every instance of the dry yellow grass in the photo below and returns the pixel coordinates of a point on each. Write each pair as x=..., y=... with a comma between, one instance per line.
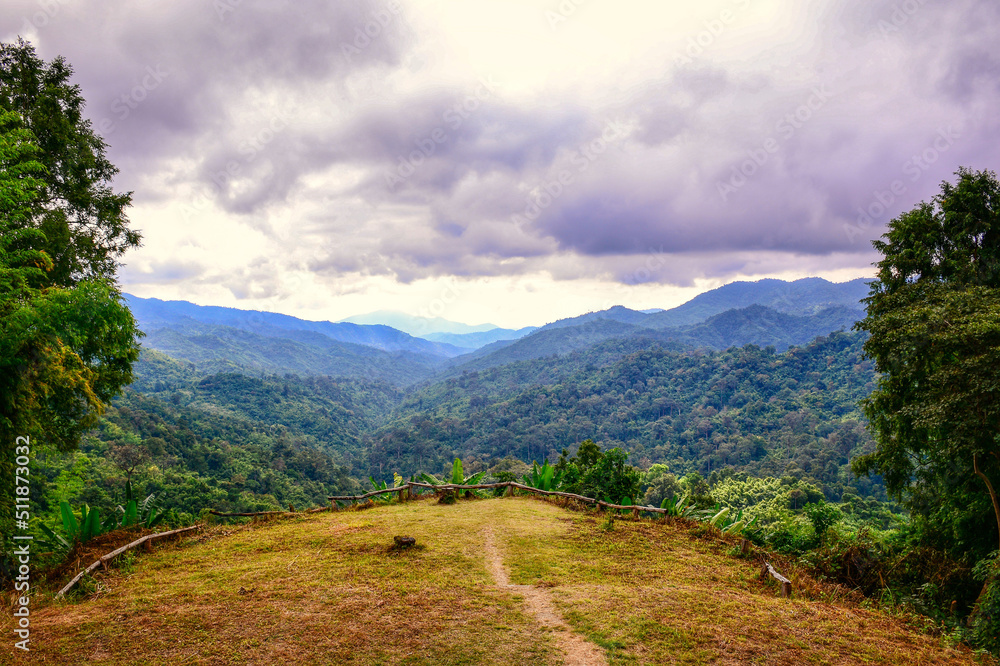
x=325, y=589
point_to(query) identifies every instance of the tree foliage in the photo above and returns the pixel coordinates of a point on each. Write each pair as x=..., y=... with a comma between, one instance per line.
x=83, y=220
x=934, y=319
x=749, y=408
x=599, y=474
x=67, y=342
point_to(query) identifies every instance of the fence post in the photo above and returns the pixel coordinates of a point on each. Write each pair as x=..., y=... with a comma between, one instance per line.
x=786, y=585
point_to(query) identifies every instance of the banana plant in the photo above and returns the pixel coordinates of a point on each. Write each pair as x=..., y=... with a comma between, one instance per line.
x=740, y=524
x=86, y=528
x=457, y=478
x=543, y=478
x=148, y=515
x=728, y=523
x=719, y=519
x=52, y=541
x=430, y=479
x=136, y=513
x=678, y=506
x=385, y=498
x=458, y=475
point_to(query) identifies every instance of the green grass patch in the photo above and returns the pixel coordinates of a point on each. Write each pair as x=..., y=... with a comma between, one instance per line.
x=329, y=589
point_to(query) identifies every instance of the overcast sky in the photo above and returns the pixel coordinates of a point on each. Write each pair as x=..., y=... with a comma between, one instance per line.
x=518, y=161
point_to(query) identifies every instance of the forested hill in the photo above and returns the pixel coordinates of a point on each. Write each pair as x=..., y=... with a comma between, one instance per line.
x=314, y=410
x=226, y=339
x=749, y=408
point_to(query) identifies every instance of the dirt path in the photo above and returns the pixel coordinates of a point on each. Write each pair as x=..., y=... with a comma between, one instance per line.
x=577, y=650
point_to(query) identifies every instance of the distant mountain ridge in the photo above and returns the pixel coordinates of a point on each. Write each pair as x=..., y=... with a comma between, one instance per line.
x=152, y=313
x=766, y=313
x=801, y=297
x=417, y=326
x=477, y=340
x=757, y=324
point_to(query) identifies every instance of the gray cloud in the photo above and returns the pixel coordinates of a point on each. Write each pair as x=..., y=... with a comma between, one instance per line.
x=793, y=157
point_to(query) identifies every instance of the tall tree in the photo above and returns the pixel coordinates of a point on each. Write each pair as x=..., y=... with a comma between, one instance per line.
x=934, y=319
x=67, y=340
x=83, y=218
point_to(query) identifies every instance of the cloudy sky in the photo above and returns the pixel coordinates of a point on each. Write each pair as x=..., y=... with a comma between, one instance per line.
x=518, y=161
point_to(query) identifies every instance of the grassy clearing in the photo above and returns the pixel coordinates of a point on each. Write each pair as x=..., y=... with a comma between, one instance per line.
x=325, y=589
x=653, y=593
x=318, y=590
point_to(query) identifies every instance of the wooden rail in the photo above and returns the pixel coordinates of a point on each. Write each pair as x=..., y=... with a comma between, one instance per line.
x=103, y=561
x=247, y=515
x=445, y=487
x=267, y=513
x=347, y=498
x=786, y=585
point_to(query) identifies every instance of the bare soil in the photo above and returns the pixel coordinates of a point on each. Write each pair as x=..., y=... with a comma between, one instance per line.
x=538, y=602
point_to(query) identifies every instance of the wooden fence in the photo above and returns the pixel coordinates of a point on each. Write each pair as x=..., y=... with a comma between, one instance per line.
x=103, y=560
x=407, y=491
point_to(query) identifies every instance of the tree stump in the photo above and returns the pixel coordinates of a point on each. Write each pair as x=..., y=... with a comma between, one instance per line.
x=404, y=541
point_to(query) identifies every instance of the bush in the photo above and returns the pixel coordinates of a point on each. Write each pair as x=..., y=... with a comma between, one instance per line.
x=986, y=622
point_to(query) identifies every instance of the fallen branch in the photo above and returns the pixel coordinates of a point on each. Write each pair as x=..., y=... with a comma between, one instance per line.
x=355, y=498
x=110, y=556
